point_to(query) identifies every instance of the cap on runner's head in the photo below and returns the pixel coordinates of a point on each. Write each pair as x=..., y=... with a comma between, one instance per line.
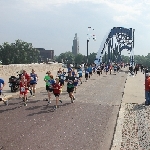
x=147, y=74
x=57, y=78
x=48, y=72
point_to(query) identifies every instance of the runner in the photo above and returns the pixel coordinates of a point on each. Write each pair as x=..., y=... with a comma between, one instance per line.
x=90, y=71
x=49, y=82
x=56, y=91
x=76, y=83
x=28, y=79
x=94, y=69
x=73, y=72
x=106, y=68
x=118, y=68
x=102, y=67
x=23, y=89
x=2, y=84
x=33, y=82
x=61, y=79
x=70, y=85
x=115, y=68
x=86, y=73
x=110, y=68
x=98, y=70
x=58, y=72
x=80, y=74
x=69, y=68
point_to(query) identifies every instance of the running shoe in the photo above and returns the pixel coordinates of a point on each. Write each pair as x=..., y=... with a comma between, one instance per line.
x=46, y=99
x=60, y=100
x=25, y=104
x=33, y=95
x=55, y=107
x=74, y=98
x=49, y=102
x=71, y=100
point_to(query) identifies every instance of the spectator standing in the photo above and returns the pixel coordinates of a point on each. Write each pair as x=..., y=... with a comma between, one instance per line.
x=142, y=68
x=147, y=89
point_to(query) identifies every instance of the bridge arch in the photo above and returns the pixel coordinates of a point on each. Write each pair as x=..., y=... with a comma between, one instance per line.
x=115, y=41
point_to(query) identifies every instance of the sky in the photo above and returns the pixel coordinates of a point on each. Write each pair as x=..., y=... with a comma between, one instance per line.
x=52, y=24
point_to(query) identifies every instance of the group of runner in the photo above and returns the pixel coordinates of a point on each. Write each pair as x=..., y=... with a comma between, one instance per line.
x=55, y=85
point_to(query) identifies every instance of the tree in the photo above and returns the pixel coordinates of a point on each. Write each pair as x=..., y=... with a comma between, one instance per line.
x=19, y=52
x=91, y=58
x=66, y=57
x=79, y=58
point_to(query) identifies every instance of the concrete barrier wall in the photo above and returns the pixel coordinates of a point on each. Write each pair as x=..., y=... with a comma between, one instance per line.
x=10, y=70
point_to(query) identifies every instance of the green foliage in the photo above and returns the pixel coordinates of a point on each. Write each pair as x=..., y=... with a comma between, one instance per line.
x=19, y=52
x=69, y=58
x=79, y=58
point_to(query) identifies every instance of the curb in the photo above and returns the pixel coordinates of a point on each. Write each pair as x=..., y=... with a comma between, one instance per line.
x=117, y=137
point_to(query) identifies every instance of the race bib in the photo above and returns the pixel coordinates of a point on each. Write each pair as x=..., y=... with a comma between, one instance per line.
x=70, y=82
x=22, y=89
x=62, y=77
x=32, y=78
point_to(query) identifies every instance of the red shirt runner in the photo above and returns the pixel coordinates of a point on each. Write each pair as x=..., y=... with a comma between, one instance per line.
x=56, y=89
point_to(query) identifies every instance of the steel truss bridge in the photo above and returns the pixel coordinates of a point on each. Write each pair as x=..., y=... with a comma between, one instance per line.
x=117, y=40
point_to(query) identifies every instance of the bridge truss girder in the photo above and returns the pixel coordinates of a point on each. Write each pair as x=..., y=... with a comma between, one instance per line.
x=124, y=39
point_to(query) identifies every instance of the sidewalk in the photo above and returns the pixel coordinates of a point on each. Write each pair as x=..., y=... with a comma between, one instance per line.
x=133, y=124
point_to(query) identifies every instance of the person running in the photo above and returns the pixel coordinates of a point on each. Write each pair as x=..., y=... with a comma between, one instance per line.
x=106, y=68
x=69, y=68
x=118, y=68
x=70, y=85
x=49, y=82
x=94, y=69
x=33, y=81
x=102, y=67
x=61, y=79
x=98, y=70
x=110, y=68
x=76, y=83
x=115, y=68
x=56, y=91
x=79, y=70
x=28, y=79
x=24, y=89
x=90, y=71
x=58, y=72
x=2, y=84
x=73, y=72
x=86, y=73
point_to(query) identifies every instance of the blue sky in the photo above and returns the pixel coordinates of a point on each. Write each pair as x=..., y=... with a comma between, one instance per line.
x=52, y=24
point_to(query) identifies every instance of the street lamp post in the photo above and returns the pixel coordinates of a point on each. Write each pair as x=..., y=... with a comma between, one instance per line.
x=87, y=51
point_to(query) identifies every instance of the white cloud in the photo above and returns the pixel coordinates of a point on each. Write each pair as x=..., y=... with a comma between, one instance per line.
x=123, y=18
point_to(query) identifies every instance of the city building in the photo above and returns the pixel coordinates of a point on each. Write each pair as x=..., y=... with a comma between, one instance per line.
x=75, y=47
x=46, y=55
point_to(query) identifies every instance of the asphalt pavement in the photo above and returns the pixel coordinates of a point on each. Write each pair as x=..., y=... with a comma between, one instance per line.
x=87, y=124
